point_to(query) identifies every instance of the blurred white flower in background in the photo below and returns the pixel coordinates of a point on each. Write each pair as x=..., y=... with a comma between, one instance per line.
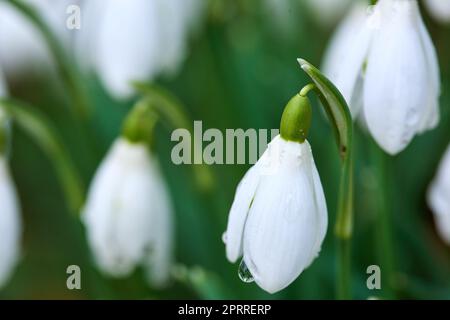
x=278, y=219
x=328, y=12
x=135, y=40
x=10, y=222
x=128, y=214
x=387, y=69
x=439, y=198
x=21, y=44
x=439, y=9
x=345, y=54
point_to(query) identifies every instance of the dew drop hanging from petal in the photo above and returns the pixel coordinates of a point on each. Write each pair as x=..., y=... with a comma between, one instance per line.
x=244, y=273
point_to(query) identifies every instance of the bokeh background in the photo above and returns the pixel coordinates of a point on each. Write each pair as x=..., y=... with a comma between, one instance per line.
x=240, y=70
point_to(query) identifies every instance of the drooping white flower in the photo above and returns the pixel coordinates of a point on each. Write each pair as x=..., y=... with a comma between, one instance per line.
x=128, y=215
x=439, y=9
x=21, y=43
x=439, y=198
x=278, y=219
x=388, y=65
x=148, y=39
x=10, y=224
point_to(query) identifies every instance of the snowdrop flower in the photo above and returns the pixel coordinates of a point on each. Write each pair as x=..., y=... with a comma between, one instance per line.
x=439, y=198
x=149, y=39
x=386, y=67
x=10, y=223
x=278, y=219
x=21, y=44
x=128, y=215
x=439, y=9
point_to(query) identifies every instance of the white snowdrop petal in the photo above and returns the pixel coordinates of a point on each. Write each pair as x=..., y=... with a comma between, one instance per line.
x=439, y=197
x=347, y=52
x=322, y=211
x=238, y=213
x=282, y=230
x=135, y=208
x=395, y=90
x=431, y=115
x=99, y=214
x=128, y=214
x=10, y=224
x=21, y=45
x=159, y=259
x=439, y=9
x=128, y=49
x=174, y=32
x=86, y=39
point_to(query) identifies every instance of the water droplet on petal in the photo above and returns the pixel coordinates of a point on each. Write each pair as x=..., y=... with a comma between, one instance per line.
x=224, y=237
x=244, y=273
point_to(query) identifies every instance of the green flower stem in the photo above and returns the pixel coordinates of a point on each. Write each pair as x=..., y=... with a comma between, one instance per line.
x=4, y=133
x=41, y=130
x=343, y=230
x=65, y=66
x=341, y=121
x=205, y=283
x=171, y=112
x=384, y=222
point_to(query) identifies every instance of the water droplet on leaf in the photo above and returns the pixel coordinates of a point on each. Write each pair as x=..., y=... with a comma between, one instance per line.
x=244, y=273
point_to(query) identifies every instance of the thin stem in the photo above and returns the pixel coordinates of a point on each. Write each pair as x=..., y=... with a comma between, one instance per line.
x=41, y=130
x=384, y=222
x=65, y=66
x=344, y=229
x=341, y=121
x=344, y=269
x=172, y=112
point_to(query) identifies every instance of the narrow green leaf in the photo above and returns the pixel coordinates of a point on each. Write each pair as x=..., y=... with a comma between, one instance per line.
x=43, y=133
x=335, y=106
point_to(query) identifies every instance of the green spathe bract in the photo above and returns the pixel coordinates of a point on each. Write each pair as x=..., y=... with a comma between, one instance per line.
x=296, y=119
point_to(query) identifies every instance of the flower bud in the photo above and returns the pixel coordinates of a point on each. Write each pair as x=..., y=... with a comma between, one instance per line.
x=296, y=119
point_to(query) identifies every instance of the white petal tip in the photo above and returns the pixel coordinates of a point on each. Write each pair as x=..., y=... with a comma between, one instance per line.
x=231, y=256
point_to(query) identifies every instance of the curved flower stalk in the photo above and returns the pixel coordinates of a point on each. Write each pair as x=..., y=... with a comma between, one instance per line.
x=128, y=214
x=10, y=221
x=279, y=219
x=150, y=39
x=43, y=133
x=171, y=112
x=387, y=68
x=439, y=9
x=439, y=198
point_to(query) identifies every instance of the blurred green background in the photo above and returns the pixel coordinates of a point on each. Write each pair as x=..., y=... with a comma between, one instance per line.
x=240, y=71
